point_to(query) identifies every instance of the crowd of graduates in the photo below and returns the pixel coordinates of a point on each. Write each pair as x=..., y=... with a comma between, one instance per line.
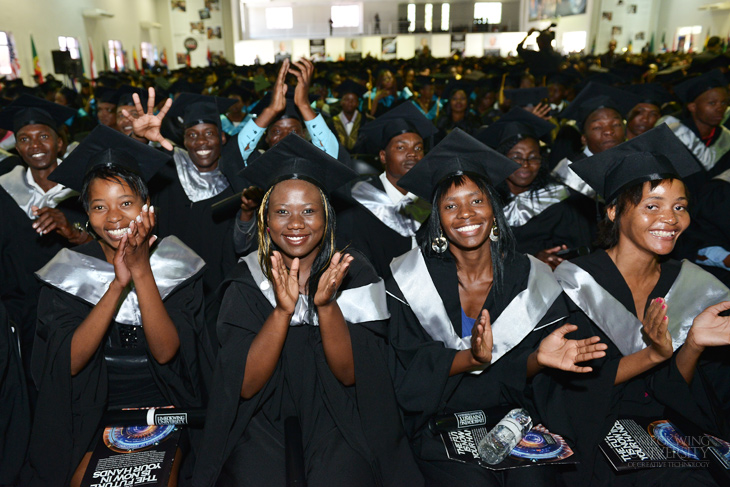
x=359, y=247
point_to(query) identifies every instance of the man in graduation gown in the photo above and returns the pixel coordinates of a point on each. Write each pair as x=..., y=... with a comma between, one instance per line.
x=184, y=190
x=700, y=127
x=348, y=122
x=599, y=113
x=383, y=222
x=38, y=215
x=645, y=114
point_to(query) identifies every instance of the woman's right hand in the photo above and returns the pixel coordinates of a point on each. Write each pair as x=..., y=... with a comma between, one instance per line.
x=655, y=329
x=121, y=272
x=286, y=283
x=146, y=124
x=481, y=339
x=278, y=93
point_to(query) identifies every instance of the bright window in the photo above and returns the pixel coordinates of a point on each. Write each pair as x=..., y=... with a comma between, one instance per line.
x=411, y=15
x=5, y=67
x=488, y=12
x=345, y=15
x=148, y=53
x=445, y=20
x=428, y=17
x=116, y=56
x=279, y=18
x=574, y=41
x=70, y=44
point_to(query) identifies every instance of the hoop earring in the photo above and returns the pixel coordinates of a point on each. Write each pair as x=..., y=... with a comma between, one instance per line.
x=440, y=244
x=494, y=232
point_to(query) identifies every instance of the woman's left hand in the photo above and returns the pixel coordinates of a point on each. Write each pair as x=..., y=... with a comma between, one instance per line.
x=558, y=352
x=139, y=241
x=709, y=329
x=331, y=279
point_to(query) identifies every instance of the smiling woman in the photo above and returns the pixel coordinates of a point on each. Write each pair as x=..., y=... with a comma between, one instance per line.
x=120, y=322
x=657, y=315
x=302, y=331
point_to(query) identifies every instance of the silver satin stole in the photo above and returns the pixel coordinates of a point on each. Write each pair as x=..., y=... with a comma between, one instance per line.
x=379, y=204
x=518, y=319
x=708, y=156
x=568, y=177
x=198, y=186
x=358, y=305
x=692, y=292
x=525, y=206
x=88, y=278
x=27, y=196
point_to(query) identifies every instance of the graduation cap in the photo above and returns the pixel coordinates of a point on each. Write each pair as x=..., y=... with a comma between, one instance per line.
x=184, y=86
x=525, y=97
x=517, y=123
x=30, y=110
x=295, y=158
x=458, y=153
x=400, y=120
x=106, y=146
x=596, y=96
x=670, y=75
x=652, y=93
x=349, y=86
x=192, y=109
x=457, y=85
x=125, y=98
x=689, y=90
x=654, y=155
x=104, y=94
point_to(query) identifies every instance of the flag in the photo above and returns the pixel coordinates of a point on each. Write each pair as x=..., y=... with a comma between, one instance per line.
x=210, y=57
x=593, y=46
x=187, y=59
x=134, y=58
x=92, y=66
x=36, y=62
x=14, y=62
x=164, y=56
x=125, y=61
x=651, y=44
x=106, y=57
x=83, y=69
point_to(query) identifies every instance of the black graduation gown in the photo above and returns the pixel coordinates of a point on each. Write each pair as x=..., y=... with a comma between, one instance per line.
x=558, y=224
x=14, y=407
x=420, y=367
x=210, y=236
x=358, y=227
x=243, y=438
x=593, y=403
x=22, y=252
x=70, y=408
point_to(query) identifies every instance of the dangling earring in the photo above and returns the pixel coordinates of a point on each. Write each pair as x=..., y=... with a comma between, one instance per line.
x=440, y=244
x=494, y=232
x=89, y=230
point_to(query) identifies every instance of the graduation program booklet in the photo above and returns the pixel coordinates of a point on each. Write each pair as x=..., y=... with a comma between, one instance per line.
x=633, y=444
x=130, y=456
x=538, y=447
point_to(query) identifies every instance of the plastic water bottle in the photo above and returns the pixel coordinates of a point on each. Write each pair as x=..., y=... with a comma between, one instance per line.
x=499, y=442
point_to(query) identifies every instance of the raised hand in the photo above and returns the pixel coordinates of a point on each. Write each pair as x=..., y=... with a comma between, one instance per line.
x=331, y=279
x=655, y=329
x=558, y=352
x=549, y=256
x=285, y=282
x=541, y=110
x=139, y=240
x=278, y=93
x=481, y=339
x=146, y=124
x=121, y=271
x=709, y=329
x=303, y=70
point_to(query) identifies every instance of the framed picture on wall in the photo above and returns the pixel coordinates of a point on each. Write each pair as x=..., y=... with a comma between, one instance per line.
x=178, y=5
x=204, y=13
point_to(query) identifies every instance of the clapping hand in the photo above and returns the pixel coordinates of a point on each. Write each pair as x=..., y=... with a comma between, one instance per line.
x=709, y=329
x=558, y=352
x=285, y=282
x=136, y=244
x=656, y=330
x=331, y=279
x=481, y=339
